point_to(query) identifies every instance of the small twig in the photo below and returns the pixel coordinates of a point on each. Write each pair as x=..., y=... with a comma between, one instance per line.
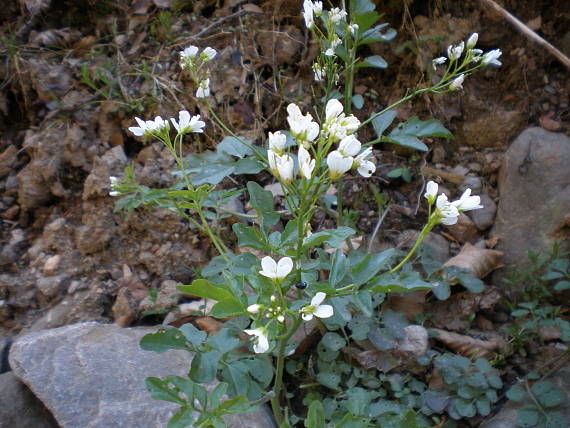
x=237, y=14
x=519, y=25
x=377, y=227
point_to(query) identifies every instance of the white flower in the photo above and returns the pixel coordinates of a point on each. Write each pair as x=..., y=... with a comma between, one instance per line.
x=336, y=15
x=187, y=123
x=316, y=309
x=337, y=125
x=472, y=41
x=260, y=342
x=431, y=191
x=332, y=47
x=254, y=309
x=306, y=164
x=308, y=11
x=364, y=167
x=457, y=83
x=189, y=52
x=150, y=127
x=454, y=52
x=338, y=164
x=203, y=90
x=113, y=180
x=353, y=28
x=318, y=8
x=492, y=58
x=114, y=193
x=318, y=71
x=272, y=160
x=467, y=202
x=438, y=61
x=276, y=271
x=447, y=212
x=302, y=127
x=349, y=146
x=285, y=167
x=281, y=318
x=277, y=141
x=208, y=54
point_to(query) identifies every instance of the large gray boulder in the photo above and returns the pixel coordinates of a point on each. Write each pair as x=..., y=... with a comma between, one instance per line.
x=91, y=375
x=19, y=407
x=534, y=190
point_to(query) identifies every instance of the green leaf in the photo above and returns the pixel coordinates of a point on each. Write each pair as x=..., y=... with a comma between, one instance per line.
x=370, y=266
x=374, y=34
x=483, y=365
x=552, y=398
x=407, y=141
x=193, y=335
x=206, y=290
x=338, y=269
x=407, y=281
x=163, y=340
x=527, y=417
x=358, y=101
x=407, y=134
x=365, y=20
x=475, y=285
x=382, y=339
x=396, y=322
x=209, y=167
x=562, y=285
x=315, y=416
x=540, y=388
x=217, y=394
x=516, y=393
x=159, y=390
x=483, y=407
x=333, y=237
x=236, y=147
x=236, y=406
x=359, y=7
x=248, y=166
x=382, y=122
x=183, y=418
x=333, y=341
x=227, y=308
x=465, y=408
x=249, y=236
x=237, y=375
x=204, y=366
x=436, y=400
x=223, y=341
x=375, y=61
x=262, y=202
x=494, y=380
x=330, y=380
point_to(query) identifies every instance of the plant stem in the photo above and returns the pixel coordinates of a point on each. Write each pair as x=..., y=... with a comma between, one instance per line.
x=279, y=371
x=420, y=239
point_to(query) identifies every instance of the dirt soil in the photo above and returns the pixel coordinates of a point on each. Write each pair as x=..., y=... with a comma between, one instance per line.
x=75, y=73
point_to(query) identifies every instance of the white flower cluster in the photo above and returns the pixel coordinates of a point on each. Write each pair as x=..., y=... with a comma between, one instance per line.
x=114, y=182
x=447, y=212
x=192, y=59
x=337, y=127
x=471, y=55
x=159, y=126
x=277, y=272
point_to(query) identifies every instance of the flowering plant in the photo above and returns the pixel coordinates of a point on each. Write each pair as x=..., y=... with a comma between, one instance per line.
x=268, y=298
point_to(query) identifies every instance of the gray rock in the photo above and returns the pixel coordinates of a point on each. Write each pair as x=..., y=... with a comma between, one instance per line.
x=91, y=375
x=507, y=417
x=19, y=407
x=50, y=286
x=484, y=217
x=534, y=187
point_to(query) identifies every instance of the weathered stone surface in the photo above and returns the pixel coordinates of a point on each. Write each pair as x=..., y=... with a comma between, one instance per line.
x=507, y=417
x=534, y=193
x=484, y=217
x=92, y=375
x=19, y=407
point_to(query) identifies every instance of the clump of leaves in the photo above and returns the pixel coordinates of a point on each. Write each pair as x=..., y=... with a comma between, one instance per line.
x=470, y=388
x=540, y=403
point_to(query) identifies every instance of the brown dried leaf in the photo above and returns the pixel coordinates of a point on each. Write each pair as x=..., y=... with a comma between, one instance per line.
x=209, y=324
x=469, y=346
x=479, y=261
x=464, y=230
x=409, y=304
x=373, y=359
x=8, y=160
x=306, y=335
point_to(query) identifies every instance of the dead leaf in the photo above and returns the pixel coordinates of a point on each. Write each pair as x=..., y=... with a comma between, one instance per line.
x=409, y=304
x=479, y=261
x=469, y=346
x=209, y=324
x=305, y=336
x=7, y=160
x=373, y=359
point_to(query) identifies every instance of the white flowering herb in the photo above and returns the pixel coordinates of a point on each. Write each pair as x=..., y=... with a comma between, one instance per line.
x=446, y=212
x=338, y=164
x=260, y=340
x=303, y=128
x=454, y=52
x=431, y=192
x=457, y=83
x=187, y=123
x=285, y=168
x=472, y=40
x=492, y=58
x=277, y=141
x=316, y=308
x=467, y=202
x=306, y=164
x=203, y=90
x=276, y=271
x=363, y=164
x=149, y=128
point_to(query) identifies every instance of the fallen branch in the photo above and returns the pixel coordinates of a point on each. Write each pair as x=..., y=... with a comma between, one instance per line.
x=519, y=25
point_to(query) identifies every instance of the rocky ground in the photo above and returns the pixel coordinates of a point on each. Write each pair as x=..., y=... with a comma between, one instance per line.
x=74, y=74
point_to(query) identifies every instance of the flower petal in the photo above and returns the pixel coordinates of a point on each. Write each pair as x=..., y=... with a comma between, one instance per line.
x=318, y=298
x=307, y=317
x=284, y=267
x=269, y=267
x=324, y=311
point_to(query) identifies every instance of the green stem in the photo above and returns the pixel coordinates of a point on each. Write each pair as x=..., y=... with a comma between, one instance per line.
x=275, y=406
x=427, y=228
